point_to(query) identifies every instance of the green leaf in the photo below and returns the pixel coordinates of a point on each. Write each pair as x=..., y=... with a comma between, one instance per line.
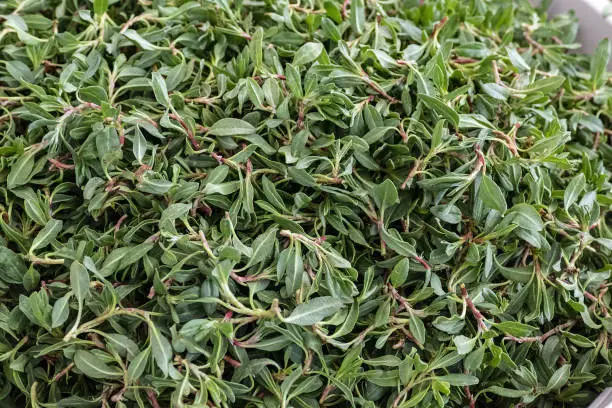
x=376, y=134
x=450, y=325
x=517, y=274
x=139, y=364
x=314, y=311
x=12, y=267
x=263, y=247
x=107, y=141
x=161, y=349
x=384, y=361
x=415, y=398
x=100, y=6
x=61, y=311
x=573, y=190
x=113, y=261
x=93, y=366
x=46, y=235
x=515, y=328
x=79, y=280
x=459, y=380
x=599, y=63
x=559, y=378
x=473, y=361
x=137, y=38
x=94, y=94
x=441, y=108
x=506, y=392
x=357, y=16
x=517, y=60
x=256, y=94
x=20, y=71
x=295, y=269
x=400, y=272
x=546, y=85
x=385, y=194
x=418, y=329
x=406, y=370
x=159, y=89
x=21, y=171
x=525, y=216
x=349, y=323
x=383, y=378
x=464, y=344
x=496, y=91
x=395, y=242
x=170, y=215
x=491, y=195
x=474, y=121
x=31, y=279
x=448, y=213
x=307, y=53
x=231, y=127
x=294, y=81
x=139, y=144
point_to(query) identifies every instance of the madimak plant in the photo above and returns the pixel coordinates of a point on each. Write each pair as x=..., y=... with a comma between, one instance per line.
x=319, y=204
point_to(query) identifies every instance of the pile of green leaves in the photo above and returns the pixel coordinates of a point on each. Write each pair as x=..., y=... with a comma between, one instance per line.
x=360, y=203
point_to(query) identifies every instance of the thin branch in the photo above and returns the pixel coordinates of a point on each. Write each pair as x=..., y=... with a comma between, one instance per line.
x=496, y=72
x=153, y=399
x=470, y=397
x=345, y=9
x=538, y=47
x=63, y=372
x=542, y=338
x=411, y=174
x=190, y=135
x=475, y=312
x=438, y=27
x=395, y=294
x=378, y=89
x=58, y=164
x=462, y=60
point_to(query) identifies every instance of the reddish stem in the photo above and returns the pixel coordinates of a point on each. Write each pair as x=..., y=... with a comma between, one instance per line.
x=590, y=296
x=395, y=294
x=422, y=262
x=543, y=337
x=378, y=89
x=190, y=135
x=119, y=222
x=325, y=393
x=300, y=120
x=411, y=174
x=538, y=47
x=470, y=397
x=152, y=399
x=345, y=9
x=63, y=372
x=438, y=27
x=477, y=315
x=231, y=361
x=243, y=279
x=58, y=164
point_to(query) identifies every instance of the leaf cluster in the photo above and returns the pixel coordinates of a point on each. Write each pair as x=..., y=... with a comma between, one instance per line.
x=325, y=203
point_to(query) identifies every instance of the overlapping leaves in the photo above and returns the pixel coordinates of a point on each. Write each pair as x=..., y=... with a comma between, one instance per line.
x=325, y=203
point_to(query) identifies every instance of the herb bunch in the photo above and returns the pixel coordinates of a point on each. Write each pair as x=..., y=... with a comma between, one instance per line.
x=353, y=203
